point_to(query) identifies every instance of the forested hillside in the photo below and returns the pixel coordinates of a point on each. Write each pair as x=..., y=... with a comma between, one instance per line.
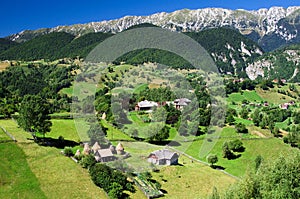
x=43, y=47
x=6, y=44
x=81, y=46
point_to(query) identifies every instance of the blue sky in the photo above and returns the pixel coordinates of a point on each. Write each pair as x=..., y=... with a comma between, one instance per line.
x=19, y=15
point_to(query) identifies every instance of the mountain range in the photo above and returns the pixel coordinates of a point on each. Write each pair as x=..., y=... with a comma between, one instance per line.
x=270, y=28
x=239, y=41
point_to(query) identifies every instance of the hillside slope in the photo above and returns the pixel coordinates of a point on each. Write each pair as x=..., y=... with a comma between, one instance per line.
x=42, y=47
x=280, y=64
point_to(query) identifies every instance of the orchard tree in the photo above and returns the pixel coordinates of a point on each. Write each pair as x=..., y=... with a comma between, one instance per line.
x=230, y=119
x=244, y=113
x=212, y=159
x=227, y=153
x=256, y=117
x=241, y=128
x=236, y=145
x=97, y=133
x=34, y=115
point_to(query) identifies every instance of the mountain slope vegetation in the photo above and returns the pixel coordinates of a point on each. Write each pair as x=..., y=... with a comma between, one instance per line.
x=6, y=44
x=43, y=47
x=279, y=64
x=229, y=49
x=81, y=46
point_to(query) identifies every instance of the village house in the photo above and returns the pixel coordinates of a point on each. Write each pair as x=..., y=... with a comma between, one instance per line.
x=148, y=105
x=145, y=106
x=286, y=105
x=180, y=103
x=104, y=155
x=163, y=157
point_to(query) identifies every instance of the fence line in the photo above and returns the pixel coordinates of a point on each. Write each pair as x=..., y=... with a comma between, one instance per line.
x=8, y=134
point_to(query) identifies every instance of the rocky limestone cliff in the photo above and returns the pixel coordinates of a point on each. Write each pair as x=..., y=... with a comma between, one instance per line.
x=261, y=25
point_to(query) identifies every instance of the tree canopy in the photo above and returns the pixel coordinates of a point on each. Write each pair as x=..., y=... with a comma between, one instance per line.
x=34, y=115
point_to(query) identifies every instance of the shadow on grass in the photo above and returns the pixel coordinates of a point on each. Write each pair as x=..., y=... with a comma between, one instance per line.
x=163, y=191
x=242, y=149
x=163, y=143
x=234, y=156
x=217, y=167
x=52, y=142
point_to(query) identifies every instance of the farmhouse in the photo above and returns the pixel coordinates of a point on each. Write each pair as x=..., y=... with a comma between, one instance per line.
x=286, y=105
x=163, y=157
x=145, y=105
x=104, y=155
x=180, y=103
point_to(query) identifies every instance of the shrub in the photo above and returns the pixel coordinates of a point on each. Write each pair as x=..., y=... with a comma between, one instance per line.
x=68, y=151
x=212, y=159
x=241, y=128
x=236, y=145
x=88, y=161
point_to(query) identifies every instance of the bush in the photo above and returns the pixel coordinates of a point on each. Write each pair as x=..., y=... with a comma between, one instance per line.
x=112, y=181
x=212, y=159
x=241, y=128
x=236, y=145
x=88, y=161
x=68, y=151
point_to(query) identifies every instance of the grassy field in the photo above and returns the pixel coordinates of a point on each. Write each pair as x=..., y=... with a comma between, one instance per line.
x=139, y=88
x=268, y=148
x=3, y=136
x=16, y=178
x=4, y=65
x=183, y=175
x=114, y=133
x=191, y=179
x=273, y=97
x=58, y=176
x=251, y=96
x=68, y=91
x=65, y=128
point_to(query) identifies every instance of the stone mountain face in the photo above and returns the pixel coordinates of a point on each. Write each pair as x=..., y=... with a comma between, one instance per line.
x=279, y=64
x=271, y=28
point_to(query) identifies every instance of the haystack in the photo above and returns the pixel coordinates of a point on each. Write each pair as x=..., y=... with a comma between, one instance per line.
x=96, y=147
x=86, y=149
x=120, y=149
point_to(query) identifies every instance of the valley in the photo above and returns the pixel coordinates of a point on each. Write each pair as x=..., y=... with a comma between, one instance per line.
x=150, y=124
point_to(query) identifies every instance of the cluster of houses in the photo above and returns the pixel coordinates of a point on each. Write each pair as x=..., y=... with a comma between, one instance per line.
x=158, y=157
x=282, y=106
x=149, y=105
x=103, y=155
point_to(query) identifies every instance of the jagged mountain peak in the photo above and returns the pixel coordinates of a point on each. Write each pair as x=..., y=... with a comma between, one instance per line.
x=260, y=25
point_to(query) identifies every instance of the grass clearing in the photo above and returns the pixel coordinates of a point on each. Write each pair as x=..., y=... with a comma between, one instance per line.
x=140, y=88
x=65, y=128
x=191, y=179
x=268, y=148
x=58, y=176
x=3, y=135
x=67, y=91
x=16, y=178
x=114, y=133
x=251, y=96
x=272, y=96
x=4, y=65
